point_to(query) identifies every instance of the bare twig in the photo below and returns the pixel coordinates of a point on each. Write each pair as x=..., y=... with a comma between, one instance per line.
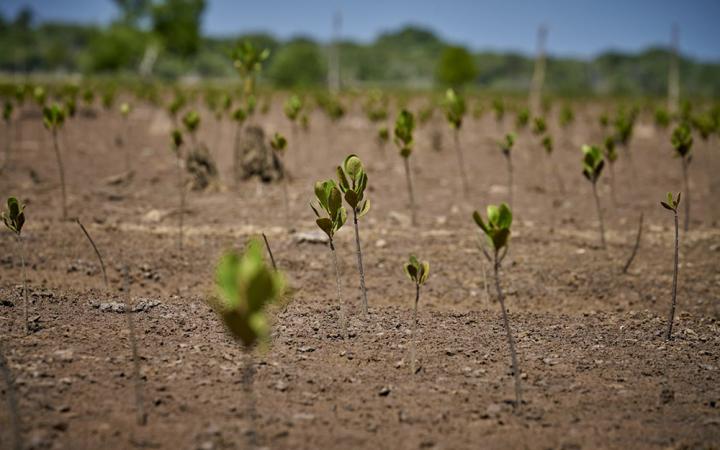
x=267, y=246
x=674, y=282
x=139, y=405
x=12, y=402
x=636, y=247
x=97, y=252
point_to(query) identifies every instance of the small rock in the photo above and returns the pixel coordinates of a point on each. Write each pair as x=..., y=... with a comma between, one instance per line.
x=381, y=243
x=64, y=355
x=399, y=218
x=384, y=392
x=154, y=216
x=115, y=307
x=311, y=237
x=281, y=386
x=306, y=349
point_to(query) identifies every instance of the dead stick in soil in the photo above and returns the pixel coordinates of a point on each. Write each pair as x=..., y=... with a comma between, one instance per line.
x=140, y=408
x=12, y=402
x=637, y=245
x=97, y=252
x=267, y=246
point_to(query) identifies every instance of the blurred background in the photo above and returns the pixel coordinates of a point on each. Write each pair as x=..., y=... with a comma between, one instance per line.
x=593, y=48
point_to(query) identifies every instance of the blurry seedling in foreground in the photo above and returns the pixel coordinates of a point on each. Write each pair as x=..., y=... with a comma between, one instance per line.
x=418, y=272
x=176, y=145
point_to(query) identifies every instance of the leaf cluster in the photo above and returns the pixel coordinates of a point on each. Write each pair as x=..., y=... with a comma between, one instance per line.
x=191, y=120
x=497, y=228
x=248, y=60
x=417, y=271
x=506, y=144
x=14, y=217
x=592, y=162
x=329, y=200
x=352, y=181
x=671, y=204
x=278, y=142
x=404, y=126
x=53, y=116
x=454, y=108
x=682, y=140
x=293, y=106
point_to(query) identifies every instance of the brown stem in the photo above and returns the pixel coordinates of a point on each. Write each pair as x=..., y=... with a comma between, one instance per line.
x=674, y=282
x=343, y=318
x=363, y=290
x=247, y=380
x=61, y=169
x=600, y=217
x=686, y=188
x=8, y=140
x=612, y=185
x=508, y=157
x=406, y=161
x=461, y=163
x=267, y=246
x=511, y=341
x=139, y=405
x=636, y=247
x=413, y=344
x=12, y=402
x=97, y=252
x=25, y=289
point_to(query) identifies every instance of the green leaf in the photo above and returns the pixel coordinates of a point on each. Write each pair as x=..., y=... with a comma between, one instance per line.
x=342, y=179
x=353, y=166
x=424, y=272
x=493, y=215
x=334, y=201
x=364, y=209
x=666, y=206
x=342, y=218
x=411, y=271
x=505, y=216
x=326, y=225
x=479, y=221
x=352, y=198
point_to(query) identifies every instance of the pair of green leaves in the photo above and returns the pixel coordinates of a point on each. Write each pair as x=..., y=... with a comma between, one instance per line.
x=245, y=285
x=39, y=95
x=499, y=109
x=278, y=142
x=624, y=125
x=293, y=107
x=672, y=204
x=14, y=217
x=329, y=199
x=506, y=144
x=247, y=59
x=592, y=163
x=417, y=271
x=454, y=108
x=353, y=181
x=191, y=120
x=610, y=150
x=497, y=228
x=404, y=126
x=682, y=140
x=567, y=116
x=53, y=116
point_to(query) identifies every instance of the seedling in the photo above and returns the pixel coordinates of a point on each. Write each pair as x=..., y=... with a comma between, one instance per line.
x=245, y=285
x=279, y=144
x=124, y=113
x=672, y=205
x=624, y=125
x=248, y=61
x=593, y=164
x=404, y=126
x=293, y=108
x=175, y=106
x=662, y=118
x=506, y=149
x=329, y=199
x=522, y=119
x=53, y=119
x=14, y=219
x=352, y=181
x=539, y=127
x=418, y=272
x=611, y=156
x=176, y=145
x=191, y=120
x=567, y=116
x=636, y=246
x=497, y=232
x=454, y=112
x=682, y=142
x=383, y=136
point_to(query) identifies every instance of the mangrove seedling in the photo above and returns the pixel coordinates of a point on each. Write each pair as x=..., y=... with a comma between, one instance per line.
x=245, y=286
x=248, y=61
x=522, y=119
x=662, y=118
x=592, y=165
x=547, y=144
x=506, y=146
x=611, y=156
x=352, y=181
x=14, y=219
x=682, y=142
x=124, y=113
x=404, y=126
x=672, y=205
x=293, y=108
x=454, y=112
x=497, y=232
x=53, y=119
x=567, y=116
x=418, y=273
x=624, y=125
x=539, y=127
x=176, y=145
x=329, y=199
x=279, y=144
x=191, y=120
x=383, y=136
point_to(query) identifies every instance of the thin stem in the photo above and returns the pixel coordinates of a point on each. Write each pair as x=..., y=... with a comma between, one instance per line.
x=600, y=217
x=686, y=188
x=267, y=246
x=508, y=157
x=343, y=318
x=413, y=343
x=674, y=282
x=410, y=190
x=8, y=140
x=126, y=148
x=140, y=408
x=558, y=177
x=461, y=163
x=181, y=189
x=97, y=252
x=21, y=243
x=286, y=201
x=637, y=245
x=61, y=169
x=511, y=341
x=12, y=402
x=612, y=185
x=247, y=380
x=363, y=290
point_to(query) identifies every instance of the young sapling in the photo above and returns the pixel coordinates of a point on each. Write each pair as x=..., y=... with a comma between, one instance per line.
x=497, y=231
x=293, y=108
x=454, y=112
x=672, y=205
x=329, y=200
x=279, y=144
x=506, y=146
x=176, y=145
x=549, y=146
x=248, y=61
x=682, y=142
x=245, y=286
x=593, y=164
x=53, y=119
x=418, y=272
x=14, y=219
x=352, y=181
x=404, y=126
x=191, y=120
